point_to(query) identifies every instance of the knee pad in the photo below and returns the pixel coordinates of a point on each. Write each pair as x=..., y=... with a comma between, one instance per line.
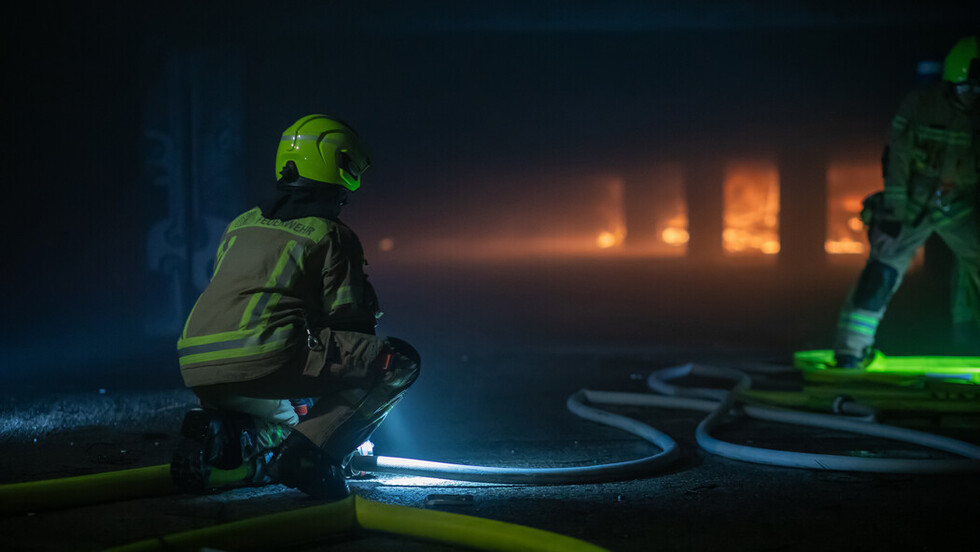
x=403, y=348
x=875, y=286
x=403, y=364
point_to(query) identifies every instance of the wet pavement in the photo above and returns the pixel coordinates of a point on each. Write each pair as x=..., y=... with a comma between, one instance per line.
x=503, y=348
x=511, y=413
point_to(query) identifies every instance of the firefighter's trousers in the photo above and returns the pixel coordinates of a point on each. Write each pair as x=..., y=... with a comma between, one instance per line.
x=356, y=379
x=889, y=259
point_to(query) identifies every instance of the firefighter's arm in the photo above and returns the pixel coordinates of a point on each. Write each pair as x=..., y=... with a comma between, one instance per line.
x=899, y=163
x=336, y=292
x=346, y=302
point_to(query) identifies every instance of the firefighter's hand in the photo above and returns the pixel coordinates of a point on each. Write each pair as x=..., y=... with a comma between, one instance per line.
x=892, y=210
x=890, y=227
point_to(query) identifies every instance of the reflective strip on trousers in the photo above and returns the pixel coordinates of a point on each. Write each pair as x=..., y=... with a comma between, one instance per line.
x=859, y=323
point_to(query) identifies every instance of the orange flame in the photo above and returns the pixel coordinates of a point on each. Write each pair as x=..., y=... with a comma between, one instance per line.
x=847, y=186
x=751, y=208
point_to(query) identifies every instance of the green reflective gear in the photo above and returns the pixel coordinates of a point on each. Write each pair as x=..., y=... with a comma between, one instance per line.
x=317, y=150
x=274, y=281
x=956, y=68
x=219, y=449
x=931, y=173
x=887, y=264
x=932, y=161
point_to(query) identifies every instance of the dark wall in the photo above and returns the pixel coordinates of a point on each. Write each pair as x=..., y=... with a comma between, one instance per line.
x=443, y=100
x=73, y=227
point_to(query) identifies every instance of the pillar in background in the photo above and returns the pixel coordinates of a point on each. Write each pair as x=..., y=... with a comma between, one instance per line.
x=641, y=202
x=705, y=208
x=803, y=208
x=192, y=123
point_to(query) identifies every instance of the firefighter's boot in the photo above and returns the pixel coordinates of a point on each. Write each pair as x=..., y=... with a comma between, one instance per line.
x=302, y=465
x=218, y=449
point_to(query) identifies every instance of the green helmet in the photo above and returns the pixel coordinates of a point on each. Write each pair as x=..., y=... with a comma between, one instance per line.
x=318, y=150
x=961, y=63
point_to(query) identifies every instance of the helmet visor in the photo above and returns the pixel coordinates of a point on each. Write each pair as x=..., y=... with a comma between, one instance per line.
x=350, y=169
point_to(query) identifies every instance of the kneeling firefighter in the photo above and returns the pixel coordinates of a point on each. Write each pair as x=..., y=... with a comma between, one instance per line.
x=931, y=174
x=289, y=314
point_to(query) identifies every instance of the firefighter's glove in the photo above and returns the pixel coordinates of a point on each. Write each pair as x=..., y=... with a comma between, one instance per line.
x=890, y=227
x=872, y=208
x=301, y=406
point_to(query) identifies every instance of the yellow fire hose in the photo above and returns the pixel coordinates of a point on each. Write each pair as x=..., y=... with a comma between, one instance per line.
x=352, y=513
x=266, y=532
x=84, y=490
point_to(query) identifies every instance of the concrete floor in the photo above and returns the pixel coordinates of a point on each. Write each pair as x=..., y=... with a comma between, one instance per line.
x=703, y=502
x=501, y=356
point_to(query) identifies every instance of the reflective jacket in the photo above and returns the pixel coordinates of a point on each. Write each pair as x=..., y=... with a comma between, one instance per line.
x=934, y=157
x=274, y=282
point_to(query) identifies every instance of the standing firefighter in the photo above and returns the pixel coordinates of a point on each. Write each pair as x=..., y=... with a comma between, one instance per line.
x=931, y=175
x=288, y=314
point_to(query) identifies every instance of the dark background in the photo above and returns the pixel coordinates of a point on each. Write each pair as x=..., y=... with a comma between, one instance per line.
x=459, y=103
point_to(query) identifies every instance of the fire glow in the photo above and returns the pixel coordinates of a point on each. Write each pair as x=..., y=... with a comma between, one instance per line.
x=611, y=211
x=751, y=209
x=847, y=186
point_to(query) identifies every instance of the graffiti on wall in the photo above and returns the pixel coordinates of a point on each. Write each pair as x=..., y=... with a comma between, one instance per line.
x=192, y=155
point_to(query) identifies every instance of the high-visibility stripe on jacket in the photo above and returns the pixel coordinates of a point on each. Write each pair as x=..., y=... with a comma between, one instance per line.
x=273, y=279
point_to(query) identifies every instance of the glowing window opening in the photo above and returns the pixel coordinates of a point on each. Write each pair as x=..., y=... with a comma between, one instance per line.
x=847, y=186
x=672, y=228
x=751, y=214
